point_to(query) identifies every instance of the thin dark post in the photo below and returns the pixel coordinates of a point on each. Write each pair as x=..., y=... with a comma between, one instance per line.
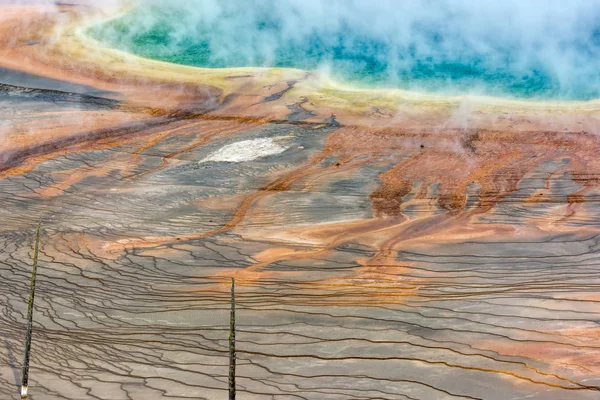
x=25, y=380
x=232, y=343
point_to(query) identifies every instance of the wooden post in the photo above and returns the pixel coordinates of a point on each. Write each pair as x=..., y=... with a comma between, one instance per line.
x=232, y=343
x=25, y=376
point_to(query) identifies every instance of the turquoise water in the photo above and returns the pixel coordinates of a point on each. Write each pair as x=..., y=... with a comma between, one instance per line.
x=435, y=56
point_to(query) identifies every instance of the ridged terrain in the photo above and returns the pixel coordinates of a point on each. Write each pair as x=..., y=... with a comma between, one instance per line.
x=423, y=252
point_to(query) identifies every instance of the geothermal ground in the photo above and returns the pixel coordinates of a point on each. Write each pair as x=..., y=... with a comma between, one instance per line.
x=385, y=246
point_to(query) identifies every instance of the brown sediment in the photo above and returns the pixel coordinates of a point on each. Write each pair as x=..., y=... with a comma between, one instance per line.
x=152, y=96
x=400, y=246
x=278, y=185
x=20, y=158
x=69, y=178
x=496, y=160
x=579, y=358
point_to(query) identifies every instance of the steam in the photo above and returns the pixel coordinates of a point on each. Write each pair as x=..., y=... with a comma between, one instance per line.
x=29, y=2
x=527, y=48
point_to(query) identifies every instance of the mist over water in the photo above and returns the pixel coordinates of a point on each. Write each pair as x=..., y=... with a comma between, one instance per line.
x=529, y=49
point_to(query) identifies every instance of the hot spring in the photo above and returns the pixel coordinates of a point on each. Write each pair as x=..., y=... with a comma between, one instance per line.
x=536, y=50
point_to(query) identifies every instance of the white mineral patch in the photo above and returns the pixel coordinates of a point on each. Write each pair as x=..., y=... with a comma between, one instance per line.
x=247, y=150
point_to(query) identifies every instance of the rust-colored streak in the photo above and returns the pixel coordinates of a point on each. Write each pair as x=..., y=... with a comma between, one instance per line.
x=399, y=246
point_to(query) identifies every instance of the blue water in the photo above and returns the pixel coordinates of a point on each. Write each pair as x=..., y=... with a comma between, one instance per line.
x=437, y=55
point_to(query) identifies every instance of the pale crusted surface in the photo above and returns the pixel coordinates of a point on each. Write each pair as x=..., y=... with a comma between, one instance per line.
x=247, y=150
x=425, y=251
